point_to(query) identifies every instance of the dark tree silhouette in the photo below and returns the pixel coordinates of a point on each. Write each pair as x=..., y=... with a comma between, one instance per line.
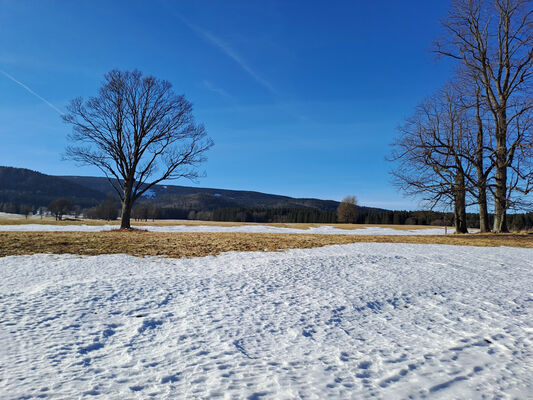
x=347, y=210
x=138, y=132
x=60, y=207
x=25, y=210
x=493, y=41
x=430, y=152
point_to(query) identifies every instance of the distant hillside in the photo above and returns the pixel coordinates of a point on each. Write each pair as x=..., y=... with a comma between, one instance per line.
x=198, y=199
x=194, y=198
x=23, y=186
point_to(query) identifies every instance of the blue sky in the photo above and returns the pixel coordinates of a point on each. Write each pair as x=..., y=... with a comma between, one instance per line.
x=302, y=98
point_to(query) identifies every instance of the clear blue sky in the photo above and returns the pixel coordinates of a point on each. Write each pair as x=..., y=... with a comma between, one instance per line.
x=302, y=98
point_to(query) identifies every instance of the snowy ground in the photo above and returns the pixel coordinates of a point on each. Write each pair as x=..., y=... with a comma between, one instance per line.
x=328, y=230
x=351, y=321
x=10, y=216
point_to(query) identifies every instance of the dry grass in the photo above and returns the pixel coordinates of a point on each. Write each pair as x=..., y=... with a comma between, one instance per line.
x=142, y=243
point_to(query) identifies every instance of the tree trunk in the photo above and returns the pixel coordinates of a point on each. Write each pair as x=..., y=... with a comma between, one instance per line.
x=481, y=179
x=500, y=193
x=127, y=204
x=460, y=204
x=500, y=216
x=483, y=211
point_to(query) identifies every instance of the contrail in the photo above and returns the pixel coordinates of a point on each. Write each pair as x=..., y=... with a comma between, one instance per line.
x=31, y=91
x=228, y=51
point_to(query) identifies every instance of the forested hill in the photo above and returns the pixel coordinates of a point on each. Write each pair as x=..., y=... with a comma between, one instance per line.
x=31, y=188
x=19, y=186
x=194, y=198
x=207, y=198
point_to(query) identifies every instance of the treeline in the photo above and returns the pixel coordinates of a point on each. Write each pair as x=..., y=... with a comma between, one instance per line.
x=304, y=215
x=109, y=210
x=301, y=215
x=23, y=209
x=16, y=208
x=517, y=222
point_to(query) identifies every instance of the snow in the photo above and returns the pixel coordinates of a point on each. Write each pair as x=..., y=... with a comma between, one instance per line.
x=352, y=321
x=10, y=215
x=326, y=230
x=150, y=194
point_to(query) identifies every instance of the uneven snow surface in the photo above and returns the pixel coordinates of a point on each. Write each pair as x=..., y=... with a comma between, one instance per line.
x=352, y=321
x=328, y=230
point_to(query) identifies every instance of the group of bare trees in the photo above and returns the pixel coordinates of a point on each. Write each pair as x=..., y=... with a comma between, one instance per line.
x=60, y=207
x=473, y=139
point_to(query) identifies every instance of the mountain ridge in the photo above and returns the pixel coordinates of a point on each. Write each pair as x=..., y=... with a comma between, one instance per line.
x=24, y=186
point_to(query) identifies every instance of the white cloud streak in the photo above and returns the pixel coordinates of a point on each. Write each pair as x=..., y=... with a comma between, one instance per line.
x=209, y=86
x=31, y=92
x=228, y=51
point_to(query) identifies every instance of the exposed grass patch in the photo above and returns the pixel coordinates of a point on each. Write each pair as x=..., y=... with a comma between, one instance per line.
x=142, y=243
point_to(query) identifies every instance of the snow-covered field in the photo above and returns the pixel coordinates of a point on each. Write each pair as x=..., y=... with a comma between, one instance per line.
x=328, y=230
x=352, y=321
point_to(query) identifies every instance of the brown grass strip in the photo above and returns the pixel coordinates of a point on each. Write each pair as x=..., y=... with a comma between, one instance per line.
x=142, y=243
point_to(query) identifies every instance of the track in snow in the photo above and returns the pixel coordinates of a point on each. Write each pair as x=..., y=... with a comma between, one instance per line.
x=350, y=321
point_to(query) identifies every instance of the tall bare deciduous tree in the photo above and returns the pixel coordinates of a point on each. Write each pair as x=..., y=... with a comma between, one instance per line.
x=478, y=159
x=139, y=132
x=493, y=39
x=430, y=154
x=479, y=144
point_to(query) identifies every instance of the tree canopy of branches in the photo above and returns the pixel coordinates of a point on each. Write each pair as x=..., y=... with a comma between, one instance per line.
x=430, y=154
x=493, y=42
x=138, y=132
x=60, y=207
x=347, y=210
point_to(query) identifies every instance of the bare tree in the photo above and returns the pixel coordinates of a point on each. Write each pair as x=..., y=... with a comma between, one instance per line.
x=479, y=145
x=494, y=42
x=138, y=132
x=347, y=210
x=478, y=160
x=25, y=210
x=60, y=207
x=430, y=154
